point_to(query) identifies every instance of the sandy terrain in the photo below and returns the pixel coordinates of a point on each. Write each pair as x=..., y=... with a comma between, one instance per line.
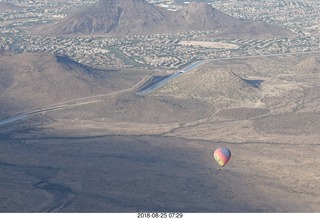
x=86, y=174
x=130, y=153
x=72, y=172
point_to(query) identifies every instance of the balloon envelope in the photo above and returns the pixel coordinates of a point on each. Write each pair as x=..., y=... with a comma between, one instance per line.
x=222, y=156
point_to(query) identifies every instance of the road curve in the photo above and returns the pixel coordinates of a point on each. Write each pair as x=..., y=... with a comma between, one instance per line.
x=149, y=87
x=145, y=88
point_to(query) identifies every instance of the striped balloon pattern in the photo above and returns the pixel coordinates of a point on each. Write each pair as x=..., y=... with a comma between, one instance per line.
x=222, y=156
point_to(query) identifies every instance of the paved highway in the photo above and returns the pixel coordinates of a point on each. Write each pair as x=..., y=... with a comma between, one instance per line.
x=153, y=85
x=146, y=88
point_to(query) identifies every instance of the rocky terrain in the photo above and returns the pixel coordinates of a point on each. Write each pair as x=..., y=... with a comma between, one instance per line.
x=32, y=80
x=77, y=138
x=125, y=152
x=115, y=17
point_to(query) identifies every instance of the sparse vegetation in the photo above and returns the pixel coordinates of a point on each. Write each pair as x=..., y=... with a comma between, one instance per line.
x=80, y=138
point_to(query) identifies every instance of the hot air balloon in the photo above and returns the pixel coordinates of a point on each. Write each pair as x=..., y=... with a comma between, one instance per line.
x=222, y=156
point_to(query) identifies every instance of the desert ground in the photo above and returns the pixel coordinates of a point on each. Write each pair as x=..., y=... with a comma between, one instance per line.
x=135, y=153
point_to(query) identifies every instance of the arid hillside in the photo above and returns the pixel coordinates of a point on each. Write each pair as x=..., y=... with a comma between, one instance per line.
x=126, y=152
x=115, y=17
x=218, y=86
x=33, y=80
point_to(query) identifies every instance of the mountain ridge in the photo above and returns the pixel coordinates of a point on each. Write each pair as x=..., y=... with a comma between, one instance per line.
x=138, y=17
x=32, y=80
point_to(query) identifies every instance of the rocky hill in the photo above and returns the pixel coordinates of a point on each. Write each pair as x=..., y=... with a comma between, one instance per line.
x=32, y=80
x=116, y=17
x=222, y=87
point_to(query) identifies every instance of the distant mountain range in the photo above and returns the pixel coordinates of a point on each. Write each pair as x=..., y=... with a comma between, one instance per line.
x=130, y=17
